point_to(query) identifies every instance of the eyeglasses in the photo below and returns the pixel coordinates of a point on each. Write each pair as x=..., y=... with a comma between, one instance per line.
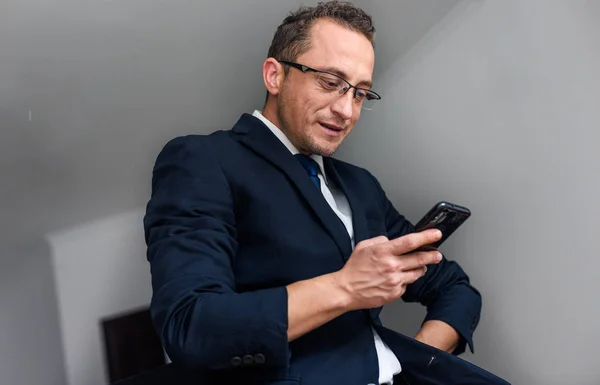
x=333, y=84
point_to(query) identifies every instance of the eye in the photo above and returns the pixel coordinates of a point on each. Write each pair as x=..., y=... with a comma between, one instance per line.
x=361, y=94
x=329, y=82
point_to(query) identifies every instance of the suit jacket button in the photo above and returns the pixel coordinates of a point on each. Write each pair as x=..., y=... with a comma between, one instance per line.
x=259, y=358
x=236, y=361
x=248, y=360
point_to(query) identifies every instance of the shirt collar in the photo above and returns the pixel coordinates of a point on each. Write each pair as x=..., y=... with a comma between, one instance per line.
x=289, y=145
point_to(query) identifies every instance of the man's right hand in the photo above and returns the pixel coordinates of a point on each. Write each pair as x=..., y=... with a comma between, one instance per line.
x=376, y=273
x=379, y=269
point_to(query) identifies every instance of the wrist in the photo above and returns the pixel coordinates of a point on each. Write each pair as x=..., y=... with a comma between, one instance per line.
x=339, y=291
x=439, y=335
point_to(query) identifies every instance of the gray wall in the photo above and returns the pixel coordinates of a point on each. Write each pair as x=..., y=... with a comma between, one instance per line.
x=107, y=84
x=91, y=90
x=498, y=109
x=101, y=271
x=30, y=344
x=89, y=93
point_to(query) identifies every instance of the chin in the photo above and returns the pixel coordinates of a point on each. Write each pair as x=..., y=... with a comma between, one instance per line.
x=326, y=149
x=322, y=145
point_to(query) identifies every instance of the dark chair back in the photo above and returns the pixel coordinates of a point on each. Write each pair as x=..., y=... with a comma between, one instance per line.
x=163, y=375
x=131, y=344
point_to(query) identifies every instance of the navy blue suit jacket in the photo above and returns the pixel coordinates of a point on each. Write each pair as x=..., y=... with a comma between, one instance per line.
x=234, y=218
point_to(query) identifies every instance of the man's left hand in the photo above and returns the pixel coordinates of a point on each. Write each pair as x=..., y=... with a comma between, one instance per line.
x=439, y=335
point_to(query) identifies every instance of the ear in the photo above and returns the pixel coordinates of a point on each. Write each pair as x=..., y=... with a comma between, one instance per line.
x=273, y=75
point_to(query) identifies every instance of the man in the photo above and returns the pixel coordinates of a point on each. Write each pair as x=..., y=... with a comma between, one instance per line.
x=271, y=260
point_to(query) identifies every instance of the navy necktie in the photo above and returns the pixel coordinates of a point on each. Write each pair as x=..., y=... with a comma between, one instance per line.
x=311, y=167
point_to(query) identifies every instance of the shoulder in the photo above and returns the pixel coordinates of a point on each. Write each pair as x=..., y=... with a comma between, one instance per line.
x=187, y=160
x=195, y=141
x=193, y=146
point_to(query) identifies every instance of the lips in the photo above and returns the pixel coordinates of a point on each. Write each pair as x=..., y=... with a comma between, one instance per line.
x=332, y=127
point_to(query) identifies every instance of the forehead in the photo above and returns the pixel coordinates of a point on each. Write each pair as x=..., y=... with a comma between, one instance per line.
x=333, y=45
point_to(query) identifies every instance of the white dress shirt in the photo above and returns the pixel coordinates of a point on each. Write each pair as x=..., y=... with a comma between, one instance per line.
x=388, y=362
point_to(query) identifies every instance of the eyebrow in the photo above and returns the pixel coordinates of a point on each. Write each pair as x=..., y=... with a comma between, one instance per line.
x=339, y=72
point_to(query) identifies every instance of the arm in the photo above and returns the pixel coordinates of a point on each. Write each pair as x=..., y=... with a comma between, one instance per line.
x=453, y=304
x=450, y=299
x=191, y=235
x=439, y=335
x=314, y=302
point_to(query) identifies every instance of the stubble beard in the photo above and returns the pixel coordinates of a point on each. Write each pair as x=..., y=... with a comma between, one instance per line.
x=303, y=140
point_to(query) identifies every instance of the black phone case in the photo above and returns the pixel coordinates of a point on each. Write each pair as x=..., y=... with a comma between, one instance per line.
x=445, y=216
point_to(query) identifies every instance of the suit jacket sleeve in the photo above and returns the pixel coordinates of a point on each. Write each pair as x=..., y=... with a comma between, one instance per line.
x=190, y=232
x=445, y=289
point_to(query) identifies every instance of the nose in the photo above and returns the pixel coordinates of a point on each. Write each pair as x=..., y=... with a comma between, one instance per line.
x=343, y=106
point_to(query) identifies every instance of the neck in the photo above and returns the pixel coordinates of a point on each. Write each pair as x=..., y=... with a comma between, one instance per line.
x=270, y=112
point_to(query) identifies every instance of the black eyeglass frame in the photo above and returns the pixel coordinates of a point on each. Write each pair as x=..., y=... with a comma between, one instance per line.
x=305, y=69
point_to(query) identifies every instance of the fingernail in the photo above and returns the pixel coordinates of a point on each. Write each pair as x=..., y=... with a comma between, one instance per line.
x=439, y=256
x=425, y=270
x=438, y=234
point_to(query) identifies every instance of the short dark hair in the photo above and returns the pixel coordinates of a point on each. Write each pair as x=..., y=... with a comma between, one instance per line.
x=292, y=37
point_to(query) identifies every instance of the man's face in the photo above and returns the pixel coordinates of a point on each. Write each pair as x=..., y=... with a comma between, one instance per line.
x=317, y=121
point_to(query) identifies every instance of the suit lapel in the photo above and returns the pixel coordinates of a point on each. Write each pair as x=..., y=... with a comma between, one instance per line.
x=253, y=134
x=345, y=181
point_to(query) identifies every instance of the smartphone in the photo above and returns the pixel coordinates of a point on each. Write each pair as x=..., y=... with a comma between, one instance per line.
x=445, y=216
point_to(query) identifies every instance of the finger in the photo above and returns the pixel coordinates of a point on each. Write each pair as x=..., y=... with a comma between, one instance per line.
x=419, y=259
x=413, y=241
x=372, y=242
x=415, y=274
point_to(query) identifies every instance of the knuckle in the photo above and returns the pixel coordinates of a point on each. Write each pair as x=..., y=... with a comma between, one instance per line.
x=433, y=256
x=410, y=243
x=377, y=253
x=364, y=244
x=360, y=245
x=416, y=274
x=400, y=264
x=380, y=253
x=421, y=259
x=390, y=266
x=395, y=281
x=381, y=250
